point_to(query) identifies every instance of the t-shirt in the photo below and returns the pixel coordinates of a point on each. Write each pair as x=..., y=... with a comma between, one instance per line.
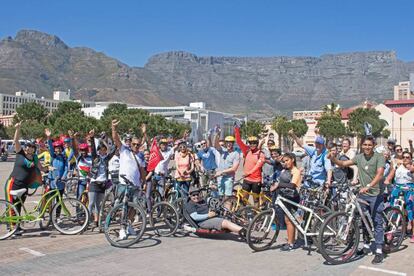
x=182, y=164
x=268, y=169
x=367, y=169
x=24, y=170
x=319, y=164
x=227, y=160
x=84, y=166
x=162, y=167
x=199, y=209
x=208, y=157
x=128, y=166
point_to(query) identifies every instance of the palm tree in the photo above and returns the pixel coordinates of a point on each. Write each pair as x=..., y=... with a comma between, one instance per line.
x=332, y=109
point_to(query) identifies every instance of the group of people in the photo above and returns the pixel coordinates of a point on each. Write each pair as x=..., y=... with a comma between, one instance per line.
x=216, y=160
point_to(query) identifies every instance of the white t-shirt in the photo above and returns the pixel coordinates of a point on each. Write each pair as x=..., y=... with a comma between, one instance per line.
x=162, y=166
x=128, y=166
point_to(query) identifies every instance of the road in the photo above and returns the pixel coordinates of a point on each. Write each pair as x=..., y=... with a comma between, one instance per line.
x=50, y=253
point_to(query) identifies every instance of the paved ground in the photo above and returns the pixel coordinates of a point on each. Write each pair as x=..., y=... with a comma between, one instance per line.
x=49, y=253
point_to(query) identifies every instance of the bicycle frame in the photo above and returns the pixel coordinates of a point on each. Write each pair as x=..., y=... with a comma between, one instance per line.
x=240, y=197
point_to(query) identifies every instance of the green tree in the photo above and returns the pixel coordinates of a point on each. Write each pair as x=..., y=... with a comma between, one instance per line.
x=359, y=116
x=30, y=111
x=252, y=128
x=75, y=121
x=64, y=109
x=299, y=127
x=331, y=126
x=280, y=125
x=3, y=132
x=332, y=109
x=115, y=109
x=386, y=133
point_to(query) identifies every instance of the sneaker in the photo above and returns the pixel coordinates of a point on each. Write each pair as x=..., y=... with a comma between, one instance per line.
x=379, y=258
x=122, y=234
x=364, y=251
x=131, y=231
x=18, y=232
x=287, y=247
x=242, y=233
x=412, y=239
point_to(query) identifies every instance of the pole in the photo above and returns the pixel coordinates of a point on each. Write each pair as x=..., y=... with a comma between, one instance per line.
x=401, y=131
x=392, y=125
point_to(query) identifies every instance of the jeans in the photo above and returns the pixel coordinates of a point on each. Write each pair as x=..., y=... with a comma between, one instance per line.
x=81, y=188
x=184, y=185
x=376, y=207
x=160, y=180
x=95, y=202
x=148, y=195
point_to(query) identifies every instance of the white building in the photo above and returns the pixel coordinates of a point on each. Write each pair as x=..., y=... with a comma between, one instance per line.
x=200, y=119
x=9, y=103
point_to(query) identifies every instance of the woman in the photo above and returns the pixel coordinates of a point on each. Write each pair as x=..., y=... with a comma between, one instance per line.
x=84, y=165
x=403, y=178
x=148, y=180
x=184, y=163
x=26, y=171
x=99, y=176
x=289, y=183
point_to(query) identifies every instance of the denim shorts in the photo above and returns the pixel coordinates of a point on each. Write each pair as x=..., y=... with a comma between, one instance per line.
x=225, y=185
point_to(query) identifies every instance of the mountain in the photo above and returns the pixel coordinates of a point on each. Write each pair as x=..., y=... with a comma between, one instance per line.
x=261, y=86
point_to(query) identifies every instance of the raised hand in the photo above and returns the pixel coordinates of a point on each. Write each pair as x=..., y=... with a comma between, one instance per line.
x=115, y=123
x=48, y=133
x=92, y=133
x=70, y=133
x=18, y=125
x=144, y=128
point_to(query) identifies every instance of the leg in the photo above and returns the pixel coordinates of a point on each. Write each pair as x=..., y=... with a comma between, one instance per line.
x=256, y=189
x=290, y=231
x=92, y=199
x=148, y=195
x=232, y=227
x=377, y=207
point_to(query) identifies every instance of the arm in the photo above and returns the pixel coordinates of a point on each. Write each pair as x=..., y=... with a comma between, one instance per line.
x=234, y=168
x=391, y=175
x=198, y=217
x=328, y=168
x=191, y=165
x=65, y=172
x=16, y=142
x=244, y=148
x=340, y=163
x=115, y=135
x=296, y=138
x=143, y=173
x=93, y=147
x=41, y=168
x=216, y=142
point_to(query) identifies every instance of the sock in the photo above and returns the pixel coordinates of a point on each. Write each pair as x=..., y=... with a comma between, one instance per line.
x=366, y=245
x=379, y=251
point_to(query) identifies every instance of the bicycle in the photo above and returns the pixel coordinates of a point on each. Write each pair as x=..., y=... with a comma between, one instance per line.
x=68, y=215
x=264, y=229
x=340, y=232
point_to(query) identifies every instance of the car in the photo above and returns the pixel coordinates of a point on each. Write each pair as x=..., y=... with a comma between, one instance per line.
x=299, y=153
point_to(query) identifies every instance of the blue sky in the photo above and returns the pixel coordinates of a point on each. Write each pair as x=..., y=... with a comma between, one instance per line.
x=132, y=31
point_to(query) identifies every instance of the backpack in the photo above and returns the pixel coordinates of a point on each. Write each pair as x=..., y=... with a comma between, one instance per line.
x=349, y=172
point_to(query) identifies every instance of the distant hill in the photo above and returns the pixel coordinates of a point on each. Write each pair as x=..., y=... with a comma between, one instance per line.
x=261, y=86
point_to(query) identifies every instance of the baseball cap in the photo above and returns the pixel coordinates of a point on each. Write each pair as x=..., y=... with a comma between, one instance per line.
x=320, y=140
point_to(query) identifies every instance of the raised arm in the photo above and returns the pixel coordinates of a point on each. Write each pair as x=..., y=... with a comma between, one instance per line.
x=244, y=148
x=296, y=138
x=340, y=163
x=115, y=134
x=48, y=134
x=17, y=145
x=92, y=143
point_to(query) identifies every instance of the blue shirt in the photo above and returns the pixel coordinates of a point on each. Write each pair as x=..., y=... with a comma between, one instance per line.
x=208, y=158
x=319, y=164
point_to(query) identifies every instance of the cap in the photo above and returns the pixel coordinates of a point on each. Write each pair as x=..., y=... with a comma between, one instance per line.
x=391, y=141
x=57, y=144
x=31, y=143
x=83, y=146
x=229, y=139
x=252, y=139
x=163, y=141
x=193, y=189
x=320, y=140
x=67, y=140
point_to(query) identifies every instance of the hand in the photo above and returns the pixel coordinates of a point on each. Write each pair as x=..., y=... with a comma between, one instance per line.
x=144, y=128
x=327, y=184
x=218, y=174
x=211, y=214
x=48, y=133
x=316, y=131
x=354, y=182
x=274, y=187
x=331, y=154
x=18, y=125
x=364, y=190
x=386, y=181
x=291, y=132
x=245, y=175
x=71, y=133
x=76, y=134
x=115, y=123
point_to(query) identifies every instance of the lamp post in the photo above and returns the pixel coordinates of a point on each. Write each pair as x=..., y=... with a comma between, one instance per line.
x=400, y=130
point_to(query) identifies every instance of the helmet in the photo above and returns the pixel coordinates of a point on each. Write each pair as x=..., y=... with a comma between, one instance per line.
x=128, y=137
x=163, y=141
x=57, y=144
x=252, y=139
x=272, y=148
x=229, y=139
x=67, y=140
x=31, y=143
x=83, y=146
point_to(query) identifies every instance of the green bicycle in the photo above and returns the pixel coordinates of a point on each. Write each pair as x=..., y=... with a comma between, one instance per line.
x=68, y=215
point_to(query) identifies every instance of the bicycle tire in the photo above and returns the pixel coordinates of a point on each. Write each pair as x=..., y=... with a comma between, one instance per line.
x=155, y=197
x=316, y=225
x=107, y=204
x=7, y=227
x=172, y=197
x=113, y=218
x=46, y=218
x=393, y=237
x=344, y=255
x=74, y=212
x=262, y=223
x=246, y=215
x=164, y=212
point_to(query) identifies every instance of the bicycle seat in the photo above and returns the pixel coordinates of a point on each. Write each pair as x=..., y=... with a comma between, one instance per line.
x=18, y=192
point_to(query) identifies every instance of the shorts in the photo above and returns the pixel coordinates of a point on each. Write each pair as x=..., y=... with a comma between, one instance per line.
x=212, y=223
x=225, y=185
x=254, y=187
x=134, y=193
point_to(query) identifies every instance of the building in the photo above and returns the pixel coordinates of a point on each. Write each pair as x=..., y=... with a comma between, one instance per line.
x=9, y=103
x=6, y=120
x=200, y=119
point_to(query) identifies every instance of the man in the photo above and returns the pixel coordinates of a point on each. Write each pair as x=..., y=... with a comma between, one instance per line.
x=198, y=210
x=229, y=163
x=350, y=154
x=391, y=146
x=320, y=166
x=268, y=169
x=370, y=170
x=130, y=164
x=276, y=162
x=206, y=162
x=161, y=170
x=254, y=159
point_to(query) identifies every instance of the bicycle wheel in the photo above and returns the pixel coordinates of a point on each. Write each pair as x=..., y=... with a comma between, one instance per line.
x=155, y=197
x=107, y=204
x=7, y=212
x=125, y=225
x=262, y=231
x=164, y=219
x=246, y=214
x=338, y=238
x=70, y=216
x=172, y=197
x=317, y=223
x=46, y=219
x=394, y=228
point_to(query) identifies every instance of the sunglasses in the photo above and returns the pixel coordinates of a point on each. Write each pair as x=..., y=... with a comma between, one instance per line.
x=195, y=194
x=407, y=157
x=253, y=143
x=134, y=144
x=398, y=149
x=203, y=144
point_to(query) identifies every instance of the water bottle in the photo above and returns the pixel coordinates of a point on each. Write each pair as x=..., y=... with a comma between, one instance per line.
x=299, y=215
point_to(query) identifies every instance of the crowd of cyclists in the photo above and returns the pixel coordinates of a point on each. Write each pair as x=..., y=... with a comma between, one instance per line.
x=383, y=173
